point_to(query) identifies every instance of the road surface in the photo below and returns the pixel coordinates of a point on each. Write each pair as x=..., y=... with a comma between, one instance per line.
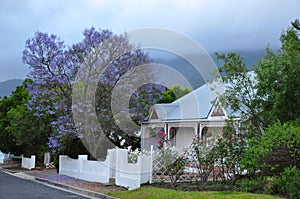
x=14, y=187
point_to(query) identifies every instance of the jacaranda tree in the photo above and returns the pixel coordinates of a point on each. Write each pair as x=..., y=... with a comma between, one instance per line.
x=53, y=70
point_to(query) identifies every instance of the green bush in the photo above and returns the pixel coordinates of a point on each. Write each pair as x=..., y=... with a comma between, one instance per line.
x=254, y=185
x=175, y=169
x=288, y=184
x=277, y=149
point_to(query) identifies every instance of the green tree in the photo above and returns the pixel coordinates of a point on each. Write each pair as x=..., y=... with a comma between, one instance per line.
x=278, y=77
x=241, y=95
x=25, y=132
x=173, y=93
x=7, y=143
x=272, y=91
x=278, y=148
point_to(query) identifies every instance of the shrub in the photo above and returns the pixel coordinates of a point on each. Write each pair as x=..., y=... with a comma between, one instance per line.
x=176, y=168
x=256, y=185
x=133, y=155
x=288, y=184
x=278, y=148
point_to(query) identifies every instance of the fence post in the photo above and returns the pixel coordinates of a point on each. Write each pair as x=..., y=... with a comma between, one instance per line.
x=80, y=163
x=46, y=158
x=32, y=162
x=151, y=164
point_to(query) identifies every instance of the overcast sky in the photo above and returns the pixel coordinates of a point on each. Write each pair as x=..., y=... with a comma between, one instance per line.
x=217, y=25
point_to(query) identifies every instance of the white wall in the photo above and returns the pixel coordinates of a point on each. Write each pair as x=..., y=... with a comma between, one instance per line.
x=81, y=168
x=184, y=137
x=147, y=139
x=3, y=157
x=28, y=163
x=131, y=175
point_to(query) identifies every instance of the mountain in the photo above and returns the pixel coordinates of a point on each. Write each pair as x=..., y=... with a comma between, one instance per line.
x=189, y=71
x=162, y=57
x=7, y=87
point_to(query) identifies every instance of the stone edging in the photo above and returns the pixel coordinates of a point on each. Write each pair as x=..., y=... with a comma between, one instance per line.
x=76, y=189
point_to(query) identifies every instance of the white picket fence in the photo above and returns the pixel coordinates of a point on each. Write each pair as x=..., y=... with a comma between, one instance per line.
x=84, y=169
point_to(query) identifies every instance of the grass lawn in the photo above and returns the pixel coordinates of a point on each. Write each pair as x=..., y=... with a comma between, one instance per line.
x=148, y=192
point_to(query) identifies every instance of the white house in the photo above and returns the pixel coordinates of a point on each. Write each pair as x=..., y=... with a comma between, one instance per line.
x=199, y=112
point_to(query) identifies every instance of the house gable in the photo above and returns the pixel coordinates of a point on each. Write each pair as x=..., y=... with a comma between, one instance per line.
x=217, y=111
x=153, y=115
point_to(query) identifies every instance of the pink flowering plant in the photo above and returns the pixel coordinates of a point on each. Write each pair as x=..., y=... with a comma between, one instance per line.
x=160, y=136
x=220, y=155
x=200, y=157
x=161, y=139
x=170, y=163
x=229, y=151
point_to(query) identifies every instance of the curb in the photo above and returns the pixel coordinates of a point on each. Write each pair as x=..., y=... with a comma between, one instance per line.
x=83, y=192
x=75, y=190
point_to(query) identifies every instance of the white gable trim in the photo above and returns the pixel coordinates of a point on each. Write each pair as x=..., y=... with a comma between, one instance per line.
x=217, y=111
x=153, y=115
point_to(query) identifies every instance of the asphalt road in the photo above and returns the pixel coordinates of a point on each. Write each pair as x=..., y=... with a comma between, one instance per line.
x=14, y=187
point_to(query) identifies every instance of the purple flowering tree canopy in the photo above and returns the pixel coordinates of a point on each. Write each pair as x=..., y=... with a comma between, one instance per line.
x=53, y=70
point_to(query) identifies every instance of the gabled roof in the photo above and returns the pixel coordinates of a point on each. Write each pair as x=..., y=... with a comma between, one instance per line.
x=201, y=103
x=195, y=105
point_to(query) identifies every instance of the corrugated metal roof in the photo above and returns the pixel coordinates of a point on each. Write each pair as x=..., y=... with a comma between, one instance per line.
x=195, y=105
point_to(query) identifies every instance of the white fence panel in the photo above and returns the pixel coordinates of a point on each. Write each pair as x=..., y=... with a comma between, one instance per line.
x=28, y=163
x=131, y=175
x=95, y=171
x=81, y=168
x=3, y=157
x=68, y=166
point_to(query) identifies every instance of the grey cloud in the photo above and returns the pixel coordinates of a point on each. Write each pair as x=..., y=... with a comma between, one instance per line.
x=216, y=25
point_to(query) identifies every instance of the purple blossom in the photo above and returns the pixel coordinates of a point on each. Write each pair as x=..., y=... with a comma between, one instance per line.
x=53, y=68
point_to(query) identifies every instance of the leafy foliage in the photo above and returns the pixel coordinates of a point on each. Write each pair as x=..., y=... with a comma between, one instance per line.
x=219, y=156
x=200, y=155
x=278, y=80
x=256, y=185
x=278, y=148
x=173, y=93
x=176, y=168
x=268, y=101
x=228, y=152
x=240, y=95
x=23, y=131
x=288, y=183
